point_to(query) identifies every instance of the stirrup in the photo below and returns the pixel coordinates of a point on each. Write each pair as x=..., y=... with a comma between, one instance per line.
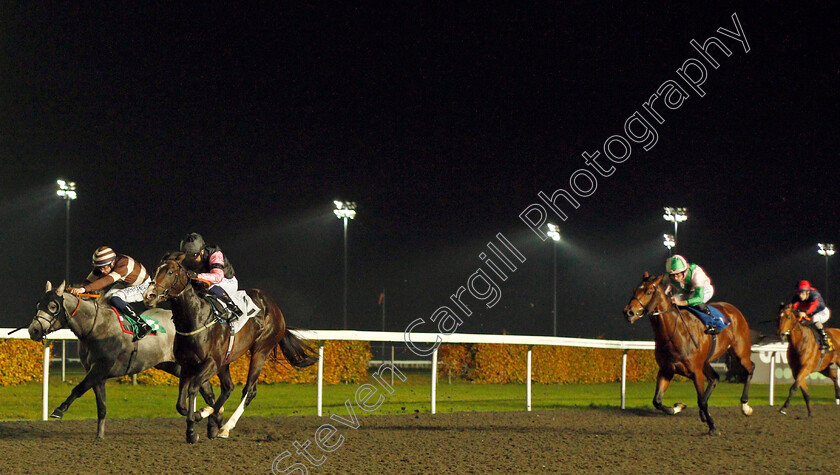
x=143, y=329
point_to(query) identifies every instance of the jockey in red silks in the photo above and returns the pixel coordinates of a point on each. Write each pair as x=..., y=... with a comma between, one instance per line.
x=211, y=266
x=811, y=308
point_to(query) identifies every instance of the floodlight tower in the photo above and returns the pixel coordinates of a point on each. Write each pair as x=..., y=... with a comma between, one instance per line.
x=554, y=234
x=345, y=210
x=676, y=216
x=67, y=192
x=826, y=250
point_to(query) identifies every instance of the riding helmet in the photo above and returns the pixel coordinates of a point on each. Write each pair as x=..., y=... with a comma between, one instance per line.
x=193, y=243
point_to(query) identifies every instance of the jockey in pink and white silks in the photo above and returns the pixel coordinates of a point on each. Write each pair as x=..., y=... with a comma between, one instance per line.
x=208, y=264
x=692, y=287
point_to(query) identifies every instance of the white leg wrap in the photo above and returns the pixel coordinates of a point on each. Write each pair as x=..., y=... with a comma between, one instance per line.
x=206, y=411
x=746, y=409
x=678, y=408
x=231, y=423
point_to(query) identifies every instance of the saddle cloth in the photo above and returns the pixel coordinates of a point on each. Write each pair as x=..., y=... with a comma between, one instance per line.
x=129, y=326
x=717, y=319
x=243, y=301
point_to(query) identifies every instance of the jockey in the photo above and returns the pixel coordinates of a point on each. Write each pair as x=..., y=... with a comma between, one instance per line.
x=692, y=287
x=811, y=307
x=208, y=264
x=128, y=280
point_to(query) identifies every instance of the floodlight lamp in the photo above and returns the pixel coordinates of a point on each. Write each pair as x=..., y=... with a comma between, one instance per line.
x=826, y=250
x=669, y=241
x=344, y=209
x=66, y=190
x=553, y=232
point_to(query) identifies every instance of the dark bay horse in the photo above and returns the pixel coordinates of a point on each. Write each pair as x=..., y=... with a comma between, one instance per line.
x=104, y=349
x=683, y=348
x=201, y=345
x=804, y=355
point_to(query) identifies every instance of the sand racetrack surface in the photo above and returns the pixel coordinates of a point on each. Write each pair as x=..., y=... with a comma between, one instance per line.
x=560, y=441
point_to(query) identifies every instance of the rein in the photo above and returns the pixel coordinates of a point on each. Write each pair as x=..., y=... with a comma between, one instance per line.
x=165, y=294
x=671, y=308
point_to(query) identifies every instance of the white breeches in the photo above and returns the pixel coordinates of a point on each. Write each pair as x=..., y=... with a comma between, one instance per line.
x=130, y=294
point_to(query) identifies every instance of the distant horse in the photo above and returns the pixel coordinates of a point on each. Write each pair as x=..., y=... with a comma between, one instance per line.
x=804, y=355
x=104, y=349
x=683, y=348
x=201, y=346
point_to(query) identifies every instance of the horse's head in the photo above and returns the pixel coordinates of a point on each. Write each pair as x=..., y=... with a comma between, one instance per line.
x=645, y=298
x=170, y=279
x=786, y=319
x=50, y=314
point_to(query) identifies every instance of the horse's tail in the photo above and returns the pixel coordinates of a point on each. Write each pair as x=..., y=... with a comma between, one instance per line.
x=297, y=353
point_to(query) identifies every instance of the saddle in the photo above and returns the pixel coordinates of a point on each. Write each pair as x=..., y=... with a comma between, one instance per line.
x=714, y=318
x=819, y=338
x=129, y=326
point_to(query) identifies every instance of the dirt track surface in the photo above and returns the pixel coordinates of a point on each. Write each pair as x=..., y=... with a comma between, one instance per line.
x=564, y=441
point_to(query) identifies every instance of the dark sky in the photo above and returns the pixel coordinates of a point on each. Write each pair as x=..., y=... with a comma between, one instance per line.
x=443, y=124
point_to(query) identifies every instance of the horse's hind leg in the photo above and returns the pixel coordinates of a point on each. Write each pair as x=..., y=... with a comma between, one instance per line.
x=248, y=392
x=747, y=363
x=663, y=380
x=99, y=391
x=831, y=372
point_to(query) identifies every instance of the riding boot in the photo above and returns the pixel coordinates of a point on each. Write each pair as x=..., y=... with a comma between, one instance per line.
x=143, y=328
x=823, y=339
x=233, y=312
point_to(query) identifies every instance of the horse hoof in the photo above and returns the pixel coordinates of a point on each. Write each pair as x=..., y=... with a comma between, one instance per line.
x=746, y=409
x=224, y=434
x=837, y=402
x=192, y=438
x=212, y=431
x=714, y=432
x=56, y=414
x=782, y=411
x=678, y=407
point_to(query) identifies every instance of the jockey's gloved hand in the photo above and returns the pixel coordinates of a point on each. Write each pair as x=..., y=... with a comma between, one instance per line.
x=191, y=274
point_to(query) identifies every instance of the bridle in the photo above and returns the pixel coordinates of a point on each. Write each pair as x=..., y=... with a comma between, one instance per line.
x=164, y=294
x=647, y=311
x=56, y=316
x=789, y=315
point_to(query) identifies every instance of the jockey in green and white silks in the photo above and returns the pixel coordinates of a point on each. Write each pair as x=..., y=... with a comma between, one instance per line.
x=691, y=286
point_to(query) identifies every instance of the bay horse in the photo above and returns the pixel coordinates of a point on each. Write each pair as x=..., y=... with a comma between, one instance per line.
x=201, y=346
x=683, y=347
x=105, y=350
x=804, y=355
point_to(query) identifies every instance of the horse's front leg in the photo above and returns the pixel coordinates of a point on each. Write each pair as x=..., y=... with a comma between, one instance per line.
x=99, y=391
x=205, y=371
x=703, y=400
x=94, y=376
x=215, y=420
x=663, y=380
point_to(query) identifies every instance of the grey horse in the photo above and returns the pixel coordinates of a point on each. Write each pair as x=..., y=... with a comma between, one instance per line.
x=104, y=349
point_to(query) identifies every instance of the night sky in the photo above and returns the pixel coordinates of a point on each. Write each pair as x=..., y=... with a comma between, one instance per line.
x=443, y=124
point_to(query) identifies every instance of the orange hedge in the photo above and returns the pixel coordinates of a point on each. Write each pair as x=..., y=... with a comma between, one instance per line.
x=489, y=363
x=344, y=361
x=21, y=361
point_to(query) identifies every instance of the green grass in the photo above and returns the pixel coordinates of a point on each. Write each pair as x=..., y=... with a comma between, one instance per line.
x=128, y=401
